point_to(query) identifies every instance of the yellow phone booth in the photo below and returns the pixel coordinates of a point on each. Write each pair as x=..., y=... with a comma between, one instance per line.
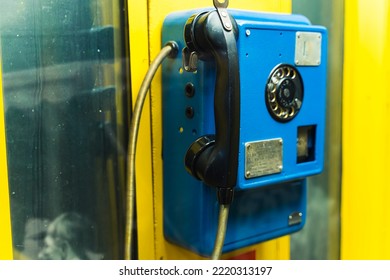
x=70, y=74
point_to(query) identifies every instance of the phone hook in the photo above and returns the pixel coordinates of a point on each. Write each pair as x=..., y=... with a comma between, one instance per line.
x=221, y=7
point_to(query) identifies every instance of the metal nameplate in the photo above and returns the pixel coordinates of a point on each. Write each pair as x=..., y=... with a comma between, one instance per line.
x=263, y=157
x=295, y=218
x=308, y=48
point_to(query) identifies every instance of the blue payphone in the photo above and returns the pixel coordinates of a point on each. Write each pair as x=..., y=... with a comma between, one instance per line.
x=243, y=124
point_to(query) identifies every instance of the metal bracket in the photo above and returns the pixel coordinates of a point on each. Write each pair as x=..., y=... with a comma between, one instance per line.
x=190, y=60
x=221, y=7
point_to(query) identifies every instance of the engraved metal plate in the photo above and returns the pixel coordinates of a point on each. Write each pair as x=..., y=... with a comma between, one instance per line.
x=308, y=48
x=263, y=158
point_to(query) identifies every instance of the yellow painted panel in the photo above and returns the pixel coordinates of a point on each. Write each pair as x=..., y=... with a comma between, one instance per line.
x=366, y=126
x=5, y=218
x=139, y=63
x=275, y=249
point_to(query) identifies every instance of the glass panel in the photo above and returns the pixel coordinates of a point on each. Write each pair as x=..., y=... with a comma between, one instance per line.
x=64, y=94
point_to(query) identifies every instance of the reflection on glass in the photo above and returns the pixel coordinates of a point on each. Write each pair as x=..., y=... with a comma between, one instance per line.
x=70, y=237
x=35, y=233
x=64, y=94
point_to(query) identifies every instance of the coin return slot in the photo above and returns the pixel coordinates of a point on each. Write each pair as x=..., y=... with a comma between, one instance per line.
x=306, y=143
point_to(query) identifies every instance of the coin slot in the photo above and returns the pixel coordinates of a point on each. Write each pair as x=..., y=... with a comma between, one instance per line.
x=306, y=143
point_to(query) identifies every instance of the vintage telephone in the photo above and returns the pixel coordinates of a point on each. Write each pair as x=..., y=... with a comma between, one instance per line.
x=243, y=118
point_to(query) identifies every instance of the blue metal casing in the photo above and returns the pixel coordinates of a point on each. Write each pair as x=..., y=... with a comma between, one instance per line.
x=262, y=205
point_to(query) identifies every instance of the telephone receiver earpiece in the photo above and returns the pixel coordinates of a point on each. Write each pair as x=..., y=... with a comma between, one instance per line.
x=213, y=159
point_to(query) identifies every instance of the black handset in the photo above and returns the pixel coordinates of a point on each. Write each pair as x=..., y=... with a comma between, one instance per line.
x=213, y=159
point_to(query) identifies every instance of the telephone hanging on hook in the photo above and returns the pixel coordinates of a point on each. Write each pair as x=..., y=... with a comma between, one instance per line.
x=213, y=159
x=244, y=104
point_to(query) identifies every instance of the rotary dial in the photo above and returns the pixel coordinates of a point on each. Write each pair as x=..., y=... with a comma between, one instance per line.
x=284, y=93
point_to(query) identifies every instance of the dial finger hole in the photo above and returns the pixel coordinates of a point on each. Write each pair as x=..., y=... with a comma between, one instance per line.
x=275, y=80
x=271, y=87
x=280, y=73
x=287, y=70
x=292, y=112
x=272, y=96
x=280, y=114
x=274, y=106
x=293, y=74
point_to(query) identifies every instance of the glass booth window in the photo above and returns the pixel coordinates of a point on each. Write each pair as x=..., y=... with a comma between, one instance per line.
x=64, y=79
